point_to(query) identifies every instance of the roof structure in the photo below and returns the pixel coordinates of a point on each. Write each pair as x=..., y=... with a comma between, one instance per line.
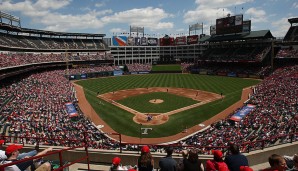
x=262, y=34
x=12, y=28
x=293, y=20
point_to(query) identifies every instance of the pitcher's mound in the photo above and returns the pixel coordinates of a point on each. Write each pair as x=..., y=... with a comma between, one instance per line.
x=156, y=101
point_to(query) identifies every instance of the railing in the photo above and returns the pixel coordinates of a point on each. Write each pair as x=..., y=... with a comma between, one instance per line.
x=246, y=147
x=2, y=167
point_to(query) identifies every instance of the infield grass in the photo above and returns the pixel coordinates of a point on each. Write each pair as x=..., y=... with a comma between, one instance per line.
x=170, y=102
x=121, y=120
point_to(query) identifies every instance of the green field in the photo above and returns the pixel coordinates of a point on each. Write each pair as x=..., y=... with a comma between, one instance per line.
x=121, y=120
x=171, y=102
x=166, y=68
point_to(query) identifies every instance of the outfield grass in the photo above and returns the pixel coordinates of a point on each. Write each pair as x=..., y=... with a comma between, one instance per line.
x=121, y=120
x=166, y=68
x=170, y=102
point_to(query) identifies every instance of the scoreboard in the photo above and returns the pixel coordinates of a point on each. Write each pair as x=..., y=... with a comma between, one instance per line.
x=229, y=25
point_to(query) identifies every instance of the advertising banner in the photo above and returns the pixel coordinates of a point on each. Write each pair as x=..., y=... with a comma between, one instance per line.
x=130, y=41
x=119, y=40
x=152, y=41
x=71, y=110
x=137, y=41
x=166, y=41
x=246, y=26
x=238, y=20
x=181, y=40
x=242, y=112
x=143, y=41
x=196, y=26
x=194, y=39
x=118, y=73
x=213, y=30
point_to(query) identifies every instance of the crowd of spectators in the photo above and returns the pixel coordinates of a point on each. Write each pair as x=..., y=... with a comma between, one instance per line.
x=16, y=59
x=224, y=69
x=275, y=115
x=186, y=66
x=287, y=53
x=236, y=53
x=93, y=69
x=135, y=67
x=46, y=43
x=35, y=107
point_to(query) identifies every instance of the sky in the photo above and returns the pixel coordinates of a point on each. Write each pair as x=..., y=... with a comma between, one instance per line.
x=158, y=17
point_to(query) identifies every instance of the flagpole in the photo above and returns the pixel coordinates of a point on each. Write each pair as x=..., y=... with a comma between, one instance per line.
x=202, y=28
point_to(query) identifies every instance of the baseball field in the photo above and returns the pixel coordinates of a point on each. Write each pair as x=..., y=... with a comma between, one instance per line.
x=174, y=101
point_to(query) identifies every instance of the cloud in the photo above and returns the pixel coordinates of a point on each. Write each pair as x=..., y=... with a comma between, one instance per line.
x=204, y=15
x=118, y=30
x=51, y=4
x=146, y=17
x=99, y=4
x=256, y=15
x=37, y=9
x=58, y=22
x=219, y=3
x=207, y=11
x=280, y=27
x=44, y=12
x=28, y=7
x=295, y=5
x=180, y=30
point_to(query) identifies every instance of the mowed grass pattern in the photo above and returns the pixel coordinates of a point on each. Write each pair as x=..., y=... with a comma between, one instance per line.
x=121, y=120
x=170, y=102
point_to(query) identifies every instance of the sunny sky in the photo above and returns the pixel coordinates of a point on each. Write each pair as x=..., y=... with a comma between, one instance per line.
x=158, y=17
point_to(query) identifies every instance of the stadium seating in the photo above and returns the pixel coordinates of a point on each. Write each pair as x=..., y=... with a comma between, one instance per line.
x=138, y=67
x=16, y=59
x=46, y=43
x=35, y=107
x=275, y=115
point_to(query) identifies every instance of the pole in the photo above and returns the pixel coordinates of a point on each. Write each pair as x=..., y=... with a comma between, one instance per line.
x=86, y=150
x=202, y=28
x=120, y=139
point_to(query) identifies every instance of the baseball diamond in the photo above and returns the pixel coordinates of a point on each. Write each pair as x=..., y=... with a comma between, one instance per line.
x=205, y=90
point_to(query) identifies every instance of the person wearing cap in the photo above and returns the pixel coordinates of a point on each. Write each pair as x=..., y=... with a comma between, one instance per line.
x=235, y=159
x=116, y=164
x=145, y=161
x=12, y=153
x=21, y=156
x=217, y=163
x=168, y=163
